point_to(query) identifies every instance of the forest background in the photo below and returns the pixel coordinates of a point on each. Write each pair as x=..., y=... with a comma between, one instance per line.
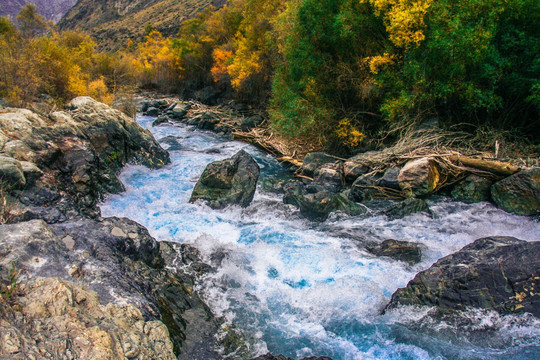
x=347, y=75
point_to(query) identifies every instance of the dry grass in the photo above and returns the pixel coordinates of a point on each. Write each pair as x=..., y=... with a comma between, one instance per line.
x=125, y=101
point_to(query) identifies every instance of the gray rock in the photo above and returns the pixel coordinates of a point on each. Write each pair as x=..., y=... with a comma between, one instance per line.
x=472, y=189
x=84, y=150
x=228, y=182
x=495, y=273
x=179, y=111
x=207, y=121
x=120, y=270
x=315, y=160
x=358, y=165
x=400, y=250
x=519, y=193
x=364, y=188
x=407, y=207
x=152, y=111
x=11, y=172
x=390, y=179
x=419, y=177
x=31, y=171
x=330, y=176
x=319, y=204
x=161, y=119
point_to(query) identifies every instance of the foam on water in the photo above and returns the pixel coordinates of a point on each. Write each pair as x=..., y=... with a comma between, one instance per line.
x=301, y=288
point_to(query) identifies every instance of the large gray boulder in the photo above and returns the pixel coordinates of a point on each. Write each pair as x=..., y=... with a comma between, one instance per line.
x=494, y=273
x=82, y=150
x=120, y=268
x=419, y=177
x=519, y=193
x=228, y=182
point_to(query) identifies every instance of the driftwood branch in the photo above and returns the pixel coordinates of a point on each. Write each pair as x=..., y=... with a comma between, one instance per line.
x=497, y=167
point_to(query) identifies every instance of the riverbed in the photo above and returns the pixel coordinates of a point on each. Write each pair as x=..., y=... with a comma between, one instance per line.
x=303, y=288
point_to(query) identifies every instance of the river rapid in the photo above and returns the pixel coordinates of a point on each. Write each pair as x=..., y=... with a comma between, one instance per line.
x=301, y=288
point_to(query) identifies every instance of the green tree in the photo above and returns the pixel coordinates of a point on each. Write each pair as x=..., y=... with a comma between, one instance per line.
x=325, y=75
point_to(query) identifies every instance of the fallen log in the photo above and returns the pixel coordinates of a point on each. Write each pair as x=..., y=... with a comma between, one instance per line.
x=496, y=167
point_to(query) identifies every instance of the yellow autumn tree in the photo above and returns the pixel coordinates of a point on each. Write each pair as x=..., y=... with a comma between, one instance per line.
x=255, y=47
x=404, y=20
x=157, y=62
x=220, y=70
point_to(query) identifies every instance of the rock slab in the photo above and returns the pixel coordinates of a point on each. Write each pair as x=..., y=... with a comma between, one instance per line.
x=494, y=273
x=519, y=193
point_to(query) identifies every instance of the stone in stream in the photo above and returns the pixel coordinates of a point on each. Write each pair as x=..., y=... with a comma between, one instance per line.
x=207, y=121
x=317, y=204
x=358, y=165
x=472, y=189
x=407, y=207
x=152, y=112
x=519, y=193
x=330, y=177
x=161, y=119
x=400, y=250
x=419, y=177
x=179, y=111
x=315, y=160
x=494, y=273
x=372, y=186
x=228, y=182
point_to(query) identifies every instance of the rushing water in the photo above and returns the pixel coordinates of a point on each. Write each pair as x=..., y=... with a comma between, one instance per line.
x=300, y=288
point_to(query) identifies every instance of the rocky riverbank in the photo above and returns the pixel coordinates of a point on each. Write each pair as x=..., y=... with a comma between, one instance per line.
x=74, y=284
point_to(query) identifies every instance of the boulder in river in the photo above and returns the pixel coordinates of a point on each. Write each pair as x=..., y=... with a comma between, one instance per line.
x=317, y=205
x=228, y=182
x=406, y=207
x=472, y=189
x=315, y=160
x=519, y=193
x=330, y=176
x=419, y=177
x=494, y=273
x=400, y=250
x=358, y=165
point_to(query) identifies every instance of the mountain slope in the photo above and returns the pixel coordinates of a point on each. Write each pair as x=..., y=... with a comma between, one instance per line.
x=114, y=22
x=50, y=9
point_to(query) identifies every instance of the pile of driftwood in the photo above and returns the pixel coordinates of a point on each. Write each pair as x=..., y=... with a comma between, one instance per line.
x=284, y=150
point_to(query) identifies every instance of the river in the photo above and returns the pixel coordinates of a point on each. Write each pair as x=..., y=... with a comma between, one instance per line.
x=300, y=288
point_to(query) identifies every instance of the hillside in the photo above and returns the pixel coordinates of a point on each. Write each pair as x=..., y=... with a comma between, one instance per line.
x=113, y=23
x=51, y=9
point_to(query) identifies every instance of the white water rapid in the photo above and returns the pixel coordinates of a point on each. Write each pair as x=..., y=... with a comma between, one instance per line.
x=300, y=288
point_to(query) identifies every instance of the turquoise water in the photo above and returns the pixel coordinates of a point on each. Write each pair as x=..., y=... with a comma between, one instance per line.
x=300, y=288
